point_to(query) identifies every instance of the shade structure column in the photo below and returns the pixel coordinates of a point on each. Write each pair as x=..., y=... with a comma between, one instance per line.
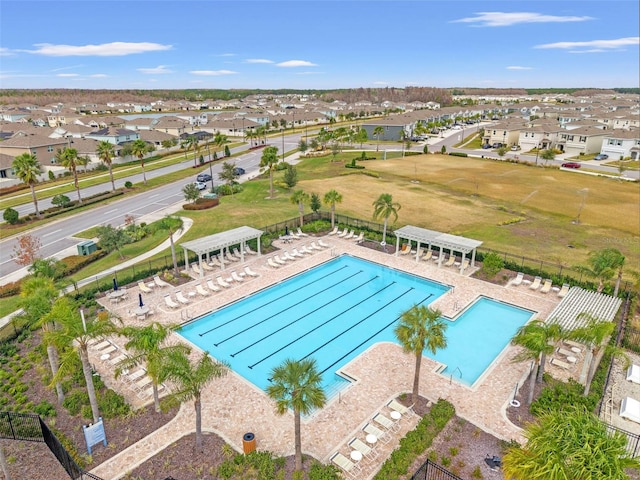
x=397, y=245
x=464, y=257
x=200, y=269
x=186, y=260
x=418, y=251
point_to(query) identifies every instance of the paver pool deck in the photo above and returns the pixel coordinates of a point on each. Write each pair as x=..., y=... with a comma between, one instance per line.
x=232, y=406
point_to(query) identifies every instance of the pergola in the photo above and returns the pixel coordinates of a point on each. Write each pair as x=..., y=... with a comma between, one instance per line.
x=219, y=241
x=578, y=301
x=443, y=241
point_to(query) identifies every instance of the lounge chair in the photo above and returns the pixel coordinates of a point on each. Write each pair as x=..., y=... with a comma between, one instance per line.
x=278, y=260
x=272, y=263
x=451, y=261
x=406, y=249
x=546, y=288
x=334, y=231
x=349, y=467
x=169, y=301
x=202, y=291
x=398, y=407
x=386, y=422
x=237, y=277
x=314, y=246
x=102, y=345
x=301, y=233
x=350, y=235
x=322, y=244
x=633, y=374
x=518, y=280
x=465, y=264
x=559, y=363
x=250, y=272
x=181, y=298
x=230, y=257
x=143, y=288
x=287, y=256
x=296, y=253
x=222, y=282
x=159, y=282
x=304, y=250
x=536, y=283
x=371, y=429
x=237, y=254
x=630, y=409
x=564, y=290
x=343, y=233
x=212, y=286
x=206, y=266
x=363, y=448
x=359, y=238
x=117, y=359
x=196, y=268
x=428, y=255
x=247, y=249
x=565, y=352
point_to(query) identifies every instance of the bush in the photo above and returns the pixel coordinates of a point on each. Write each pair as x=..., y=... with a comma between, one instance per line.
x=60, y=200
x=75, y=263
x=45, y=409
x=128, y=184
x=75, y=400
x=112, y=405
x=11, y=216
x=458, y=154
x=353, y=165
x=10, y=289
x=492, y=264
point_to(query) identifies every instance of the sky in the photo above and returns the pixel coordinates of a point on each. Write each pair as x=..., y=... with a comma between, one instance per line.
x=328, y=44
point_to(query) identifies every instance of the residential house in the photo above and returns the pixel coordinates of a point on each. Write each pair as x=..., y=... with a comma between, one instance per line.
x=6, y=167
x=581, y=141
x=43, y=147
x=114, y=135
x=619, y=144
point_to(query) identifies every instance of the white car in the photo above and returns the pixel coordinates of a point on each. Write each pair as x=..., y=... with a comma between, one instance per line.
x=200, y=185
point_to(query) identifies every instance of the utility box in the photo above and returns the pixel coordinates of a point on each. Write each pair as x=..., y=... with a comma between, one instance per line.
x=87, y=248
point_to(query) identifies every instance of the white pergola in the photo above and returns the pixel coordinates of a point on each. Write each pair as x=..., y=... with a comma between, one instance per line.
x=443, y=241
x=219, y=241
x=578, y=301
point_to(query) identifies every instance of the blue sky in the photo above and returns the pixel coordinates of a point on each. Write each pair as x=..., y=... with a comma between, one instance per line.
x=318, y=44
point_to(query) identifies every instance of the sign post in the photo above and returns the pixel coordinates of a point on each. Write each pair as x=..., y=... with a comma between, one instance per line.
x=94, y=433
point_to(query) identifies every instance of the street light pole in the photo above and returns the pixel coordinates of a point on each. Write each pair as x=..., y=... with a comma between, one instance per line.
x=282, y=129
x=211, y=172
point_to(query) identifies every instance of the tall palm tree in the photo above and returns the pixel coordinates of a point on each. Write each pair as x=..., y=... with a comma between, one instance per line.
x=269, y=162
x=615, y=260
x=37, y=295
x=172, y=224
x=602, y=266
x=594, y=333
x=331, y=198
x=297, y=385
x=26, y=168
x=569, y=444
x=106, y=153
x=191, y=379
x=68, y=158
x=73, y=336
x=139, y=148
x=536, y=337
x=261, y=133
x=384, y=207
x=219, y=140
x=420, y=327
x=147, y=345
x=300, y=197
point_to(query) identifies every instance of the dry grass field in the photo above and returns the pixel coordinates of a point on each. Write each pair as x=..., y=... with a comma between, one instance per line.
x=510, y=207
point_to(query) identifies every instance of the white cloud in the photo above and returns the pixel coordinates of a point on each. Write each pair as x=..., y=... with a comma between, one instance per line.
x=380, y=83
x=160, y=69
x=114, y=49
x=66, y=68
x=98, y=75
x=258, y=60
x=295, y=63
x=308, y=73
x=212, y=73
x=593, y=45
x=67, y=75
x=506, y=19
x=5, y=52
x=517, y=67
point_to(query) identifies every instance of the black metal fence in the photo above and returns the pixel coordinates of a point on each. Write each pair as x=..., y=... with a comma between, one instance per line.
x=432, y=471
x=633, y=440
x=30, y=427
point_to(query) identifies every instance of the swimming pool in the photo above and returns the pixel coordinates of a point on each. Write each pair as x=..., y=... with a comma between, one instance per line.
x=332, y=312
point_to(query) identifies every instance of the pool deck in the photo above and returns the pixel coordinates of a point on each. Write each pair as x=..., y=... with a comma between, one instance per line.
x=232, y=406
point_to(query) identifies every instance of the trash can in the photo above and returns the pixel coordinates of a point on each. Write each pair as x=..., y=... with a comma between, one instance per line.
x=87, y=247
x=248, y=442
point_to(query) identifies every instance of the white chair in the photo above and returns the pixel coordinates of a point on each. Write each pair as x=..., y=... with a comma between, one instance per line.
x=304, y=249
x=196, y=268
x=350, y=468
x=322, y=244
x=250, y=272
x=359, y=238
x=334, y=231
x=301, y=233
x=169, y=301
x=202, y=291
x=143, y=288
x=564, y=290
x=237, y=277
x=237, y=254
x=314, y=246
x=247, y=249
x=206, y=266
x=278, y=260
x=343, y=234
x=518, y=280
x=287, y=256
x=536, y=283
x=222, y=282
x=272, y=263
x=296, y=253
x=350, y=235
x=212, y=286
x=181, y=298
x=160, y=282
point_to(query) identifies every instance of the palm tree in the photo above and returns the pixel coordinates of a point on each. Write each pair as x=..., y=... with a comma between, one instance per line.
x=535, y=337
x=615, y=260
x=69, y=159
x=26, y=168
x=331, y=198
x=300, y=197
x=594, y=333
x=569, y=444
x=268, y=162
x=73, y=334
x=147, y=345
x=139, y=148
x=37, y=295
x=384, y=207
x=219, y=140
x=191, y=379
x=420, y=327
x=172, y=224
x=297, y=385
x=106, y=153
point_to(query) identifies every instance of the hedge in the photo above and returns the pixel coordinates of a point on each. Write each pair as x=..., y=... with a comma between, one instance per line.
x=202, y=204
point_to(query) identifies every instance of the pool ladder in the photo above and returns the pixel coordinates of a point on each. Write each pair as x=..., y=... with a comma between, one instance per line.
x=454, y=371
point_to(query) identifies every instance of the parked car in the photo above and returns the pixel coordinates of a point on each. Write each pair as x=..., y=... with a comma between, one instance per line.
x=571, y=165
x=515, y=148
x=238, y=171
x=486, y=146
x=200, y=185
x=601, y=156
x=203, y=177
x=496, y=145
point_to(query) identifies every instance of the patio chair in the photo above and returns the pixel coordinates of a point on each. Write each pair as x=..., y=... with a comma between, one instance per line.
x=334, y=231
x=343, y=233
x=451, y=261
x=386, y=422
x=169, y=301
x=564, y=290
x=237, y=277
x=314, y=246
x=196, y=268
x=363, y=448
x=206, y=266
x=406, y=249
x=301, y=233
x=559, y=363
x=230, y=257
x=272, y=263
x=212, y=286
x=304, y=249
x=546, y=288
x=536, y=283
x=237, y=254
x=401, y=409
x=350, y=468
x=247, y=249
x=214, y=261
x=181, y=298
x=465, y=264
x=250, y=272
x=202, y=291
x=287, y=256
x=222, y=282
x=143, y=288
x=295, y=253
x=359, y=238
x=518, y=280
x=371, y=429
x=350, y=235
x=278, y=260
x=428, y=254
x=322, y=244
x=159, y=282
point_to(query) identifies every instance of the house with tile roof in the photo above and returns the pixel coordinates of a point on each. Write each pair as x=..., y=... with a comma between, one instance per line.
x=581, y=141
x=114, y=135
x=620, y=144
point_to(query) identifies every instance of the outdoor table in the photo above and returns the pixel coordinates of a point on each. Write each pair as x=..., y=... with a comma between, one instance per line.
x=105, y=356
x=396, y=415
x=286, y=238
x=356, y=456
x=371, y=439
x=575, y=350
x=141, y=311
x=117, y=295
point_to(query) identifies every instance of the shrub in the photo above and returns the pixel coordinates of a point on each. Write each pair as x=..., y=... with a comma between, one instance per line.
x=60, y=200
x=45, y=409
x=112, y=404
x=75, y=400
x=353, y=165
x=202, y=204
x=11, y=216
x=52, y=176
x=128, y=184
x=492, y=263
x=458, y=154
x=10, y=289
